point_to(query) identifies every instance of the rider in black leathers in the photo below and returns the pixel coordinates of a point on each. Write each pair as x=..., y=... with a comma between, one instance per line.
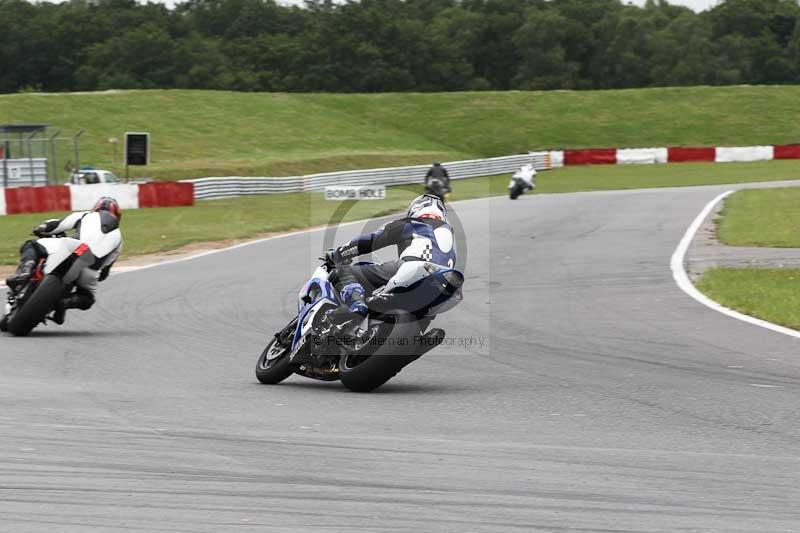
x=423, y=235
x=437, y=172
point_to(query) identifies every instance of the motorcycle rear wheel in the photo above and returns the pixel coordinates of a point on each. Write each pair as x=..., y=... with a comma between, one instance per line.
x=365, y=374
x=34, y=310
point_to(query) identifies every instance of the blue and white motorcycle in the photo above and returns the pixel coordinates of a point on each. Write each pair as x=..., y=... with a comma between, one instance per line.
x=363, y=356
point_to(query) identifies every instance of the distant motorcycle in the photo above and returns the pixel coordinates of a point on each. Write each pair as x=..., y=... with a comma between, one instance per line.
x=522, y=180
x=367, y=356
x=437, y=188
x=53, y=279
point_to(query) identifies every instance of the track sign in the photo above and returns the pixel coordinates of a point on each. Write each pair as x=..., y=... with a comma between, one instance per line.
x=137, y=148
x=366, y=192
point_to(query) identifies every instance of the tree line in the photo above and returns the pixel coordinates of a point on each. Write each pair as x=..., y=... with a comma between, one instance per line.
x=394, y=45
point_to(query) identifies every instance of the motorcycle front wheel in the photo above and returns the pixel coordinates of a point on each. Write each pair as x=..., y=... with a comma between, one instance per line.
x=273, y=364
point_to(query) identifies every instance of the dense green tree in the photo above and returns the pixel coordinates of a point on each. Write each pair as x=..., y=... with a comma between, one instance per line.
x=394, y=45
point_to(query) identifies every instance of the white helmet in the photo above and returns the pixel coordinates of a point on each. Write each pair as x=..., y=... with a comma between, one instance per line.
x=428, y=206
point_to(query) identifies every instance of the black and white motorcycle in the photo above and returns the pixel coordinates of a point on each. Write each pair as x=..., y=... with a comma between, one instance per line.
x=523, y=180
x=366, y=356
x=55, y=276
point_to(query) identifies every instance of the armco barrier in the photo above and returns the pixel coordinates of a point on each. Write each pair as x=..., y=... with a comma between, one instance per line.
x=168, y=193
x=213, y=188
x=37, y=199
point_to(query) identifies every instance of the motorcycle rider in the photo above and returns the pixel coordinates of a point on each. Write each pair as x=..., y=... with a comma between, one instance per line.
x=438, y=172
x=422, y=235
x=91, y=227
x=527, y=174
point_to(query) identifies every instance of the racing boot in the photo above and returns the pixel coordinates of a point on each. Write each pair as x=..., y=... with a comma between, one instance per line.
x=81, y=299
x=353, y=297
x=22, y=276
x=353, y=306
x=59, y=313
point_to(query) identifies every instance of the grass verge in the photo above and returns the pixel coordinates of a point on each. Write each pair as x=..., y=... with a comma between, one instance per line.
x=158, y=230
x=768, y=217
x=217, y=133
x=769, y=294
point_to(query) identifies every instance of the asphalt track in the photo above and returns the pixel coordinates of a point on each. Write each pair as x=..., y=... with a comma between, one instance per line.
x=602, y=398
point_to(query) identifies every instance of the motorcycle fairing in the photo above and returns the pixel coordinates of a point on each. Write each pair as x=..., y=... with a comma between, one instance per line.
x=66, y=257
x=315, y=296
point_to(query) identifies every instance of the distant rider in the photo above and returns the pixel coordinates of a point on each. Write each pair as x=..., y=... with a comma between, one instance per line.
x=527, y=174
x=93, y=228
x=423, y=235
x=437, y=171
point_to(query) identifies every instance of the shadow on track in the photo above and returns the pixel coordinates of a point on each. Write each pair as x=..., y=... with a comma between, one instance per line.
x=389, y=388
x=44, y=333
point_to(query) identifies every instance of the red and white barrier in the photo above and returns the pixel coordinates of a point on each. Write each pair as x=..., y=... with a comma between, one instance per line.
x=791, y=151
x=642, y=156
x=744, y=154
x=678, y=154
x=556, y=158
x=83, y=197
x=691, y=155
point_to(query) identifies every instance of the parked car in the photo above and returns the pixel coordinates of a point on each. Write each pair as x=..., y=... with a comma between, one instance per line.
x=92, y=177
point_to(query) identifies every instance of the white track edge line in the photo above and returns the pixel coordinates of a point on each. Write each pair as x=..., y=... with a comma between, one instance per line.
x=682, y=278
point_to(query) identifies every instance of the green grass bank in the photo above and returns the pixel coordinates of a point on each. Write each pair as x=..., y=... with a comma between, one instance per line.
x=210, y=133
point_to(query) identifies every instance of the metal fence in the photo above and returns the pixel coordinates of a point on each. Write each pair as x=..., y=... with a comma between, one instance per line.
x=32, y=144
x=226, y=187
x=30, y=172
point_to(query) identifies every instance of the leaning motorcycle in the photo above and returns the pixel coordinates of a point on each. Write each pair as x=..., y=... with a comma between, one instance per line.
x=364, y=356
x=521, y=181
x=53, y=278
x=517, y=187
x=436, y=187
